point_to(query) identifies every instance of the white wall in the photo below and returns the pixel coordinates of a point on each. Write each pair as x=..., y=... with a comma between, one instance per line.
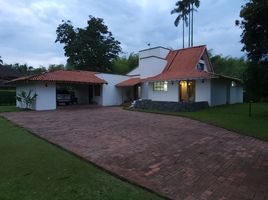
x=46, y=94
x=152, y=61
x=171, y=95
x=236, y=94
x=134, y=72
x=112, y=95
x=26, y=88
x=203, y=91
x=46, y=99
x=219, y=90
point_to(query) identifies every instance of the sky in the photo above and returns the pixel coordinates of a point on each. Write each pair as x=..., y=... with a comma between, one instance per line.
x=28, y=27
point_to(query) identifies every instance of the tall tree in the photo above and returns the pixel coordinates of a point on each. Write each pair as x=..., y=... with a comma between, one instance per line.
x=91, y=48
x=254, y=24
x=125, y=64
x=185, y=10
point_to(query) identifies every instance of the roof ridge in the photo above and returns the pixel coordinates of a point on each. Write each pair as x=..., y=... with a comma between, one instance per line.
x=190, y=48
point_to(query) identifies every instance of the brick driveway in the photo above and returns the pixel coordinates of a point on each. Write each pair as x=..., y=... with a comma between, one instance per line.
x=176, y=157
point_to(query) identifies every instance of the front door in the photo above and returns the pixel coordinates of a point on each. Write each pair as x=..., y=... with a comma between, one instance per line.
x=187, y=91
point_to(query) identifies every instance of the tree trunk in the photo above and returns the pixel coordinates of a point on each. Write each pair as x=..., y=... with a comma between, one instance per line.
x=183, y=32
x=189, y=24
x=192, y=42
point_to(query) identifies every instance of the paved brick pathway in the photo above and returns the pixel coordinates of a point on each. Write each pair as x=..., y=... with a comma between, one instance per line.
x=176, y=157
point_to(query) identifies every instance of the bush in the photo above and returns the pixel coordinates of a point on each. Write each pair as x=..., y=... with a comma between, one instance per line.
x=7, y=97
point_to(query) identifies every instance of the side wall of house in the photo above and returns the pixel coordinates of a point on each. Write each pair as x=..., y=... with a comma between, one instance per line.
x=111, y=95
x=172, y=94
x=223, y=91
x=219, y=92
x=46, y=95
x=236, y=94
x=203, y=91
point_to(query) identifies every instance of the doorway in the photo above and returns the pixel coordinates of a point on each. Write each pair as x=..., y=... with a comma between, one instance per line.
x=187, y=91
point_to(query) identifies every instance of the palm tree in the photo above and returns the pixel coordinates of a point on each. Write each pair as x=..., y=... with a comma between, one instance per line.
x=185, y=9
x=181, y=9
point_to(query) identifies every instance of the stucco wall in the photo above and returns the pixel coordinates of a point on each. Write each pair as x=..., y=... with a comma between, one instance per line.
x=46, y=95
x=236, y=94
x=112, y=95
x=203, y=91
x=219, y=92
x=171, y=95
x=151, y=66
x=46, y=99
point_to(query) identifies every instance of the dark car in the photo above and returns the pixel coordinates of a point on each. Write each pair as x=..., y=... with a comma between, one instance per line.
x=66, y=97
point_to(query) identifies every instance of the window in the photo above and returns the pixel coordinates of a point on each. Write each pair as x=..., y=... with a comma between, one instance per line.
x=97, y=90
x=160, y=86
x=201, y=66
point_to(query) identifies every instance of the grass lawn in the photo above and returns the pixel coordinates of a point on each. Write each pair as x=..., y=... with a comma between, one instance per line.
x=234, y=117
x=9, y=109
x=31, y=169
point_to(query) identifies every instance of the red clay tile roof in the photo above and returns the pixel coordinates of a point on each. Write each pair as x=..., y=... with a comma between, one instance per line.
x=129, y=82
x=65, y=76
x=181, y=64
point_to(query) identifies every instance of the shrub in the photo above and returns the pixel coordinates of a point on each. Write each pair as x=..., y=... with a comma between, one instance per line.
x=7, y=97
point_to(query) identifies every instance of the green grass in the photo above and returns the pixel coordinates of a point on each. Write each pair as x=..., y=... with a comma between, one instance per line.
x=9, y=109
x=31, y=168
x=233, y=117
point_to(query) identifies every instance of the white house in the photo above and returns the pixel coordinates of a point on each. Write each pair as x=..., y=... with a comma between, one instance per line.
x=184, y=75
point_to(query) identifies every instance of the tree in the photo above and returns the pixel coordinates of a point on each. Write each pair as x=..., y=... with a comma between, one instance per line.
x=185, y=10
x=53, y=67
x=91, y=48
x=125, y=64
x=254, y=24
x=1, y=61
x=229, y=66
x=255, y=29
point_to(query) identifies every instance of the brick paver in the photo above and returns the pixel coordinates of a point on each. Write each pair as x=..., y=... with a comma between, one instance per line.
x=176, y=157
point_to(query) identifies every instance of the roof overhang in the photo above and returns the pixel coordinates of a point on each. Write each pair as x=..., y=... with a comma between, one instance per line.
x=129, y=82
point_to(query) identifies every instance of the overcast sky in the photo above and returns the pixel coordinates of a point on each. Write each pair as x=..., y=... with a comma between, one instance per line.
x=27, y=27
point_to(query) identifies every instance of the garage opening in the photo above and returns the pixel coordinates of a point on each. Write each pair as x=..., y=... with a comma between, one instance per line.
x=77, y=94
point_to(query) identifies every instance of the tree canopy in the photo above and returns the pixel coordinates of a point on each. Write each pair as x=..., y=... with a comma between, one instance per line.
x=91, y=48
x=125, y=64
x=254, y=23
x=185, y=10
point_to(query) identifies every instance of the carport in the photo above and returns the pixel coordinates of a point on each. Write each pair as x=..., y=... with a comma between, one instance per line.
x=86, y=87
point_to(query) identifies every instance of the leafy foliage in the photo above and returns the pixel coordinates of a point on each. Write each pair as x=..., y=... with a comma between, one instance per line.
x=185, y=10
x=1, y=61
x=26, y=99
x=125, y=64
x=25, y=69
x=53, y=67
x=91, y=48
x=254, y=23
x=229, y=66
x=7, y=97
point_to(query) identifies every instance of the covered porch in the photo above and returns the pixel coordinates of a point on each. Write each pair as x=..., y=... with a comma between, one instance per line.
x=130, y=89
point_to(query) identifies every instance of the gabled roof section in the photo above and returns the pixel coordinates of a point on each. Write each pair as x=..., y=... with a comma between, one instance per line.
x=181, y=64
x=129, y=82
x=82, y=77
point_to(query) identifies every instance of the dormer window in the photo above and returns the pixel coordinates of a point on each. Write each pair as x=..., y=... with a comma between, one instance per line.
x=200, y=66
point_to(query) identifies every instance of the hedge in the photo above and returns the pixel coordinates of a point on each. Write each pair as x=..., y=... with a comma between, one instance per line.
x=7, y=97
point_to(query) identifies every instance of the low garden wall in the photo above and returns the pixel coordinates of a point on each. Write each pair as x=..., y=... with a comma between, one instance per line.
x=170, y=106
